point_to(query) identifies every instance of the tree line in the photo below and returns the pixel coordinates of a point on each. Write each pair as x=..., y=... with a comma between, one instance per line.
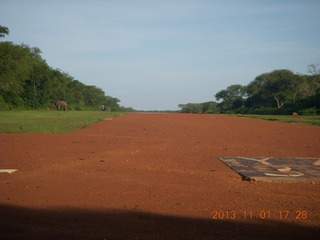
x=28, y=82
x=276, y=92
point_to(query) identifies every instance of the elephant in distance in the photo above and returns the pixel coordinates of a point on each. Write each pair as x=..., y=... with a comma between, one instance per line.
x=60, y=104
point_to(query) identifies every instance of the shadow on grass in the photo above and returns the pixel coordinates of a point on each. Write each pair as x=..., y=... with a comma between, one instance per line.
x=27, y=223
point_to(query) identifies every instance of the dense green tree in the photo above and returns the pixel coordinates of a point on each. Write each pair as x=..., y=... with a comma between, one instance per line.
x=274, y=89
x=112, y=104
x=93, y=96
x=35, y=94
x=26, y=81
x=58, y=85
x=314, y=70
x=276, y=92
x=209, y=107
x=77, y=92
x=3, y=31
x=15, y=67
x=206, y=107
x=232, y=97
x=191, y=108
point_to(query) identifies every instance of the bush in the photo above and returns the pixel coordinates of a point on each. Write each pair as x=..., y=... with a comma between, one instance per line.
x=310, y=111
x=266, y=111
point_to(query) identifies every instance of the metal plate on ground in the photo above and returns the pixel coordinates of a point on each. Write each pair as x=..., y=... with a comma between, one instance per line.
x=276, y=169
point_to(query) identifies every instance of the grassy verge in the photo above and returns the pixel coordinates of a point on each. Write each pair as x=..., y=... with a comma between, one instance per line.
x=49, y=121
x=304, y=120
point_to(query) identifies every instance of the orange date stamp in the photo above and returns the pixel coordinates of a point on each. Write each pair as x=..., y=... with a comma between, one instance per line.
x=265, y=214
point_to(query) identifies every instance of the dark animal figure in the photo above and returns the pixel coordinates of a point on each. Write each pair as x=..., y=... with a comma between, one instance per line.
x=60, y=104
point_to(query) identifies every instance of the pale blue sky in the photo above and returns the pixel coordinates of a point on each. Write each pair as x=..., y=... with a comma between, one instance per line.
x=154, y=55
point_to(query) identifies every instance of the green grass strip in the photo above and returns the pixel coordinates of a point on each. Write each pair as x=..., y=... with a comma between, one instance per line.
x=50, y=121
x=304, y=120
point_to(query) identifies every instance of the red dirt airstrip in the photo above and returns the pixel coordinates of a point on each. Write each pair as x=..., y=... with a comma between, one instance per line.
x=156, y=176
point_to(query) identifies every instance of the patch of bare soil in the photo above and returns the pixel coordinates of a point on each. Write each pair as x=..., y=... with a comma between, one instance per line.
x=156, y=176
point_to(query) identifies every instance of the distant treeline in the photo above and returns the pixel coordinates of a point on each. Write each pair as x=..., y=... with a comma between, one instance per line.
x=27, y=82
x=277, y=92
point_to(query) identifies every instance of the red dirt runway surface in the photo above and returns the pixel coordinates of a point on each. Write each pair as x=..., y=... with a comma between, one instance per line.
x=156, y=176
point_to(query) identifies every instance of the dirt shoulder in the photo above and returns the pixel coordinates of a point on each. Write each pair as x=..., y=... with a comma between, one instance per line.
x=156, y=176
